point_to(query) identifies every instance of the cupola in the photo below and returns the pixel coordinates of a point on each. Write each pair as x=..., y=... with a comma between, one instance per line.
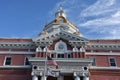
x=60, y=12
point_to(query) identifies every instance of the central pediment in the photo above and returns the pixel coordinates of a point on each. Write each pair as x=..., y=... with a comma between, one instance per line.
x=58, y=34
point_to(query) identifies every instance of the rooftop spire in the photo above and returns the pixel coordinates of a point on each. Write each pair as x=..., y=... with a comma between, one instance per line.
x=60, y=12
x=60, y=7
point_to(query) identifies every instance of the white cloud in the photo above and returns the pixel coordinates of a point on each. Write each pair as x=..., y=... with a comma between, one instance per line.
x=107, y=26
x=100, y=8
x=102, y=17
x=107, y=21
x=117, y=14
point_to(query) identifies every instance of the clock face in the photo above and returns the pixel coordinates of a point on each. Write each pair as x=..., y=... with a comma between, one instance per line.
x=61, y=47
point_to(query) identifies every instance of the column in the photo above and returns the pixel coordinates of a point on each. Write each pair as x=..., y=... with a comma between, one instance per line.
x=34, y=77
x=60, y=78
x=43, y=78
x=77, y=78
x=74, y=53
x=85, y=78
x=38, y=51
x=82, y=52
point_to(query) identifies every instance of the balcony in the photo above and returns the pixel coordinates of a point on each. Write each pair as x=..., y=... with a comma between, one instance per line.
x=66, y=65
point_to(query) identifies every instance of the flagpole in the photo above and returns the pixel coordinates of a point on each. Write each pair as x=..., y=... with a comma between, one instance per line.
x=44, y=78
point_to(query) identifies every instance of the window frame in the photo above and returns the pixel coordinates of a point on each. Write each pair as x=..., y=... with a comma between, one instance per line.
x=6, y=60
x=52, y=55
x=60, y=55
x=114, y=62
x=69, y=55
x=25, y=62
x=94, y=61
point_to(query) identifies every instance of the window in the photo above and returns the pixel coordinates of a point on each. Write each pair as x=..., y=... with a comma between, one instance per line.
x=94, y=62
x=26, y=61
x=69, y=55
x=112, y=62
x=52, y=55
x=8, y=60
x=60, y=55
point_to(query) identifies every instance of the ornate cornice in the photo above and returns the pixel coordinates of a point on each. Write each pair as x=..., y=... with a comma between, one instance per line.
x=17, y=45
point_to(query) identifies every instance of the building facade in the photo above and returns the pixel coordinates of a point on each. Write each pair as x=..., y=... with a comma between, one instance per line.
x=78, y=58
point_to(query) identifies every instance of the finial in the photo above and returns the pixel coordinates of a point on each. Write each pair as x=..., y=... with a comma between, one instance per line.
x=60, y=6
x=60, y=11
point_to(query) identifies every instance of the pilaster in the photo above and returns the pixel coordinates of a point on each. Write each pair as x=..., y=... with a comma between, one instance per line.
x=34, y=77
x=85, y=78
x=77, y=78
x=60, y=78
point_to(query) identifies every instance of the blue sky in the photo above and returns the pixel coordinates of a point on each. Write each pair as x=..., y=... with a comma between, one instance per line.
x=96, y=19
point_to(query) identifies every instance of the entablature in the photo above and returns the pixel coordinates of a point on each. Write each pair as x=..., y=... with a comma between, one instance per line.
x=72, y=38
x=103, y=46
x=17, y=45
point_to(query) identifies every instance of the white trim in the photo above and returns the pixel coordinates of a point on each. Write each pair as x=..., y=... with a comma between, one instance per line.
x=103, y=53
x=103, y=44
x=32, y=59
x=15, y=66
x=107, y=68
x=16, y=43
x=16, y=52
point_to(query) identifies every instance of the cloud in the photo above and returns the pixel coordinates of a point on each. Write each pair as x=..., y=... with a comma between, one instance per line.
x=107, y=26
x=98, y=19
x=100, y=8
x=106, y=21
x=71, y=8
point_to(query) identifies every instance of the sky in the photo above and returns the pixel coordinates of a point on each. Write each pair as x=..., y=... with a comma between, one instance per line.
x=96, y=19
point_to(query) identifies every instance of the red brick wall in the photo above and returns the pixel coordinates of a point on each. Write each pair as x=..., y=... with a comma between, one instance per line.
x=15, y=74
x=103, y=77
x=2, y=57
x=17, y=59
x=104, y=74
x=103, y=61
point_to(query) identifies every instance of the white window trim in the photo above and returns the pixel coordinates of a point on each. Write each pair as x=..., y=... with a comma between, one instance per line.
x=110, y=62
x=5, y=61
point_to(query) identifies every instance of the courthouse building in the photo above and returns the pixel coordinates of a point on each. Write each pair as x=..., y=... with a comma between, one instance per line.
x=78, y=58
